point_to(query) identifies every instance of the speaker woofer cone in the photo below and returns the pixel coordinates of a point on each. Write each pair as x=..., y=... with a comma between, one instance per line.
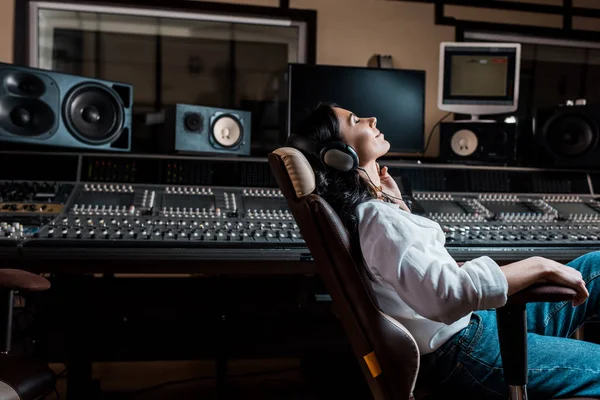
x=26, y=117
x=570, y=136
x=227, y=131
x=93, y=113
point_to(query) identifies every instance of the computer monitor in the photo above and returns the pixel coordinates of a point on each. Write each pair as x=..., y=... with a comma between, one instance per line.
x=479, y=78
x=396, y=97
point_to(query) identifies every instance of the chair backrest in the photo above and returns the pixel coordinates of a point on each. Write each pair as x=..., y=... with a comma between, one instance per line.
x=387, y=352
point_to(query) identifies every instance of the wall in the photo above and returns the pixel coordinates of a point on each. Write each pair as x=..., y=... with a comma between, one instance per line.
x=349, y=32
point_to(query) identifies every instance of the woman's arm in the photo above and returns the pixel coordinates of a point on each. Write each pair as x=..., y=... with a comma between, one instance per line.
x=524, y=273
x=411, y=259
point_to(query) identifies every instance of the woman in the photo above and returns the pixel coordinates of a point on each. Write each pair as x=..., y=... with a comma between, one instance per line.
x=449, y=308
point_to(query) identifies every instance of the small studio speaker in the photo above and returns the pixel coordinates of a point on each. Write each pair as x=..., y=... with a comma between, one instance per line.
x=208, y=130
x=40, y=107
x=478, y=142
x=567, y=136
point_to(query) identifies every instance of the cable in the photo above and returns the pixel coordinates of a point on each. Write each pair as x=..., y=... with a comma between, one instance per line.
x=433, y=129
x=203, y=378
x=406, y=200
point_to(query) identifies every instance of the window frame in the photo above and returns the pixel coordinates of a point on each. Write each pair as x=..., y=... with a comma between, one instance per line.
x=25, y=46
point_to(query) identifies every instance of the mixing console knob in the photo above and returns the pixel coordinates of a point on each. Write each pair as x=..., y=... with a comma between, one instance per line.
x=78, y=233
x=65, y=232
x=92, y=233
x=51, y=232
x=233, y=236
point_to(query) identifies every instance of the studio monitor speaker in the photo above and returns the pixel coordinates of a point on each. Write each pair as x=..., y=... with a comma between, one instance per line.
x=473, y=142
x=48, y=108
x=567, y=136
x=208, y=130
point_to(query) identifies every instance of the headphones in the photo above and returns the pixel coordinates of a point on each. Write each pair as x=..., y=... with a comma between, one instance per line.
x=337, y=155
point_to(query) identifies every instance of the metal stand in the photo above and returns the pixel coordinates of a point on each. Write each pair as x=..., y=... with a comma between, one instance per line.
x=6, y=304
x=512, y=333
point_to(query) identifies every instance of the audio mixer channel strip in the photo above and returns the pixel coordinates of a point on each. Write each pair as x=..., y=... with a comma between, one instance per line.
x=237, y=223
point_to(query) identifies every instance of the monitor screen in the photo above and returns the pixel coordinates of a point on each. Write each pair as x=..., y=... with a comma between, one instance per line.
x=396, y=97
x=478, y=78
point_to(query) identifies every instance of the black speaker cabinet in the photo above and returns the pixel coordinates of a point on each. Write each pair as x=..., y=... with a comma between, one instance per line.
x=567, y=136
x=206, y=130
x=48, y=108
x=473, y=142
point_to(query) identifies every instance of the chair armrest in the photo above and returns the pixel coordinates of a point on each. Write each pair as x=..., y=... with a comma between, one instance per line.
x=542, y=292
x=16, y=279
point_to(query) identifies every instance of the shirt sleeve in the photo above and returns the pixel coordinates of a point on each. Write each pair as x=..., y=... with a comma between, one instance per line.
x=412, y=259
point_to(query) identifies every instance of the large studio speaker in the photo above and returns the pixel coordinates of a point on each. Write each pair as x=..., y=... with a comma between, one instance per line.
x=54, y=109
x=206, y=130
x=472, y=142
x=567, y=136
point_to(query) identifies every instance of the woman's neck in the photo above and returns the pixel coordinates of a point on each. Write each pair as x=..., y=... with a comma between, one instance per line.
x=373, y=174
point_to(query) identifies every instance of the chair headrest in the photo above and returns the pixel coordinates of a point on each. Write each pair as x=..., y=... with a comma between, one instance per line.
x=299, y=170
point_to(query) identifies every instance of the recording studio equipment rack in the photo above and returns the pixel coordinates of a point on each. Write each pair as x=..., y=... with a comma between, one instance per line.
x=135, y=207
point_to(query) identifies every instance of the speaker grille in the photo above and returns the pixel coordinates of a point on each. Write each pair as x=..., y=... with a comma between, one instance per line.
x=93, y=113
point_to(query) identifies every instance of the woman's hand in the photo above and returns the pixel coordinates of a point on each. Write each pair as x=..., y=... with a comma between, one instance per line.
x=524, y=273
x=390, y=187
x=567, y=276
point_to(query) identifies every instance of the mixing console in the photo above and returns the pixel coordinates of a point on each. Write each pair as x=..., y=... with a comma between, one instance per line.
x=208, y=213
x=117, y=215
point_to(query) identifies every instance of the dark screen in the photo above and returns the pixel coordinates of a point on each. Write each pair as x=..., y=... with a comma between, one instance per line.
x=395, y=97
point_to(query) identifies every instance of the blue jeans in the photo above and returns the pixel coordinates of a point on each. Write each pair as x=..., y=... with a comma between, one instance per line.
x=558, y=366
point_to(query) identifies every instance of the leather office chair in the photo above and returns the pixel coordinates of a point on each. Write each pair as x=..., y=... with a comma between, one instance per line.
x=21, y=378
x=387, y=352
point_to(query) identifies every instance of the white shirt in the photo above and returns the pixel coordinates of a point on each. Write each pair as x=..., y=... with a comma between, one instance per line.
x=415, y=279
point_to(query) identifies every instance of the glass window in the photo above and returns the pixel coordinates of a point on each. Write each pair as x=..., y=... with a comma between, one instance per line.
x=208, y=60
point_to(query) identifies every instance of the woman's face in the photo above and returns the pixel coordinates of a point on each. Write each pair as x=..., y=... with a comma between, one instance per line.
x=363, y=135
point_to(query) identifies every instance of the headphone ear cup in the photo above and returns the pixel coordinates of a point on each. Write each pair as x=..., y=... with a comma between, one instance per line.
x=339, y=156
